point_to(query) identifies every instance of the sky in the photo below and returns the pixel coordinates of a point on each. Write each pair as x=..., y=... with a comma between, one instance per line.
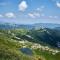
x=30, y=11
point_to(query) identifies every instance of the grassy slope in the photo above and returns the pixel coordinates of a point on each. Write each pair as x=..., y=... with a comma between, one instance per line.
x=9, y=50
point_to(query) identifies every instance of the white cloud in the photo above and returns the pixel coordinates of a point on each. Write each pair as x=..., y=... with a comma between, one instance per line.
x=38, y=9
x=34, y=15
x=31, y=15
x=58, y=4
x=1, y=16
x=55, y=16
x=37, y=14
x=50, y=16
x=41, y=8
x=23, y=6
x=10, y=15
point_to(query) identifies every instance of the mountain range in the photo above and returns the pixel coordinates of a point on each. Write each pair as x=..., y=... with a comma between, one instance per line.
x=29, y=26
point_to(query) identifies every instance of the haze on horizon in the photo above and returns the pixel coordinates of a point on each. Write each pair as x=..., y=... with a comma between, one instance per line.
x=30, y=11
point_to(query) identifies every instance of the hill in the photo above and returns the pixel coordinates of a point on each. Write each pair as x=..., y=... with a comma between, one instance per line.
x=25, y=44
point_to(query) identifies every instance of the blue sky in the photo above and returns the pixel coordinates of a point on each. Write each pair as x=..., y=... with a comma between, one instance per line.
x=30, y=11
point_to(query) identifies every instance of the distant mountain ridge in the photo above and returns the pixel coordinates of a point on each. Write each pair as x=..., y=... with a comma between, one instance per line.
x=46, y=25
x=28, y=26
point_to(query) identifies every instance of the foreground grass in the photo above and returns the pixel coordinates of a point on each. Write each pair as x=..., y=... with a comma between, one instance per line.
x=9, y=50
